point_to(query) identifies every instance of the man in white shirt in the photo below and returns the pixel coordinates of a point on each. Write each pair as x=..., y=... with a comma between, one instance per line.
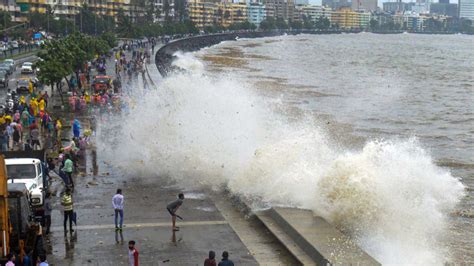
x=117, y=203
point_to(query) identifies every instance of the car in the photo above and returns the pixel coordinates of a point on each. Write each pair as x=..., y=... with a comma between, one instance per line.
x=11, y=63
x=27, y=68
x=22, y=85
x=14, y=44
x=4, y=79
x=102, y=84
x=6, y=68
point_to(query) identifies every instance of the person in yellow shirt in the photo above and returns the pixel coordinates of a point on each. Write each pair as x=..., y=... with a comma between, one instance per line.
x=22, y=100
x=41, y=105
x=34, y=106
x=30, y=87
x=87, y=97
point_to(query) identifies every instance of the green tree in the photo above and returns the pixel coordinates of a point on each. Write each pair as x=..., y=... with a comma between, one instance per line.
x=281, y=24
x=373, y=24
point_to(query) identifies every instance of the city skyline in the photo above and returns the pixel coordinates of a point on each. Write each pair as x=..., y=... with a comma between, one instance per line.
x=379, y=2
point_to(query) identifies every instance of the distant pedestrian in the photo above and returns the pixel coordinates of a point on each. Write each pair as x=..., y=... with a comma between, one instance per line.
x=42, y=260
x=10, y=260
x=211, y=261
x=117, y=203
x=47, y=212
x=173, y=207
x=35, y=136
x=68, y=169
x=132, y=253
x=27, y=258
x=67, y=203
x=225, y=260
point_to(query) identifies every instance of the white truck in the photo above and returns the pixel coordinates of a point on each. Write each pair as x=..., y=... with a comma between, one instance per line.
x=27, y=167
x=28, y=171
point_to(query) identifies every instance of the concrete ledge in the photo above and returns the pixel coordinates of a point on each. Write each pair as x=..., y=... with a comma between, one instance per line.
x=319, y=239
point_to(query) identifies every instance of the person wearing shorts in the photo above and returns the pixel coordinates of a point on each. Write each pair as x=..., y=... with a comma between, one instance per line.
x=172, y=207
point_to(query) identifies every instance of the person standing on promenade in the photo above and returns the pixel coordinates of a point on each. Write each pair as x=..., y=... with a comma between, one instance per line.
x=67, y=203
x=68, y=168
x=173, y=207
x=132, y=253
x=117, y=203
x=225, y=260
x=211, y=261
x=47, y=212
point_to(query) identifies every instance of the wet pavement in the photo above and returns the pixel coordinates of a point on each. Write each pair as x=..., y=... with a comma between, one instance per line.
x=146, y=221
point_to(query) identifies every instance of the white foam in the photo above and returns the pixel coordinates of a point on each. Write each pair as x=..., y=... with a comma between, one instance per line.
x=216, y=133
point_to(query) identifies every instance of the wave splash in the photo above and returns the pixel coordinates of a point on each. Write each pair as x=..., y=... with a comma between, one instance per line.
x=218, y=133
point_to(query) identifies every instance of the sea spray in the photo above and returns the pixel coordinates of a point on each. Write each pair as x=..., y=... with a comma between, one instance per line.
x=218, y=133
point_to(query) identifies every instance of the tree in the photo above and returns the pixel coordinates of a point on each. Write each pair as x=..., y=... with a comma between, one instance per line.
x=281, y=24
x=308, y=22
x=373, y=24
x=268, y=24
x=296, y=25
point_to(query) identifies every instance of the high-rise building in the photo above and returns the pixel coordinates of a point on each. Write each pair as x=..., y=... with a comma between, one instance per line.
x=301, y=2
x=255, y=12
x=450, y=10
x=444, y=1
x=336, y=4
x=395, y=7
x=280, y=8
x=364, y=5
x=466, y=9
x=314, y=12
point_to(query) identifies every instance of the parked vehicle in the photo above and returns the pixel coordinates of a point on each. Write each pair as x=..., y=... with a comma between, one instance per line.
x=20, y=230
x=4, y=79
x=22, y=85
x=27, y=167
x=14, y=44
x=6, y=68
x=27, y=68
x=11, y=63
x=102, y=84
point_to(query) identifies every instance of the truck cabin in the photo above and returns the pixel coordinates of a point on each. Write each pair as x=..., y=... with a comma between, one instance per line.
x=19, y=212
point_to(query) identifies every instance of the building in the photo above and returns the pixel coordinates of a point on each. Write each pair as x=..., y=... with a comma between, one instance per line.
x=202, y=13
x=314, y=12
x=301, y=2
x=231, y=13
x=255, y=12
x=364, y=5
x=71, y=8
x=336, y=4
x=280, y=9
x=396, y=7
x=421, y=8
x=450, y=10
x=344, y=18
x=166, y=8
x=466, y=9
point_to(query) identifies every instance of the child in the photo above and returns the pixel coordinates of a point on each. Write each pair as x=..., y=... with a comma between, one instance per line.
x=132, y=253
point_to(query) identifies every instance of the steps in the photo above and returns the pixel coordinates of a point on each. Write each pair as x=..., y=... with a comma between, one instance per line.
x=311, y=239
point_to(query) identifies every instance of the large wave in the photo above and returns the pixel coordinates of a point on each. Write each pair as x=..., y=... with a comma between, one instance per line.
x=219, y=133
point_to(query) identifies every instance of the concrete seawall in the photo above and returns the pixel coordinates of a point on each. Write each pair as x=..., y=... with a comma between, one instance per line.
x=164, y=56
